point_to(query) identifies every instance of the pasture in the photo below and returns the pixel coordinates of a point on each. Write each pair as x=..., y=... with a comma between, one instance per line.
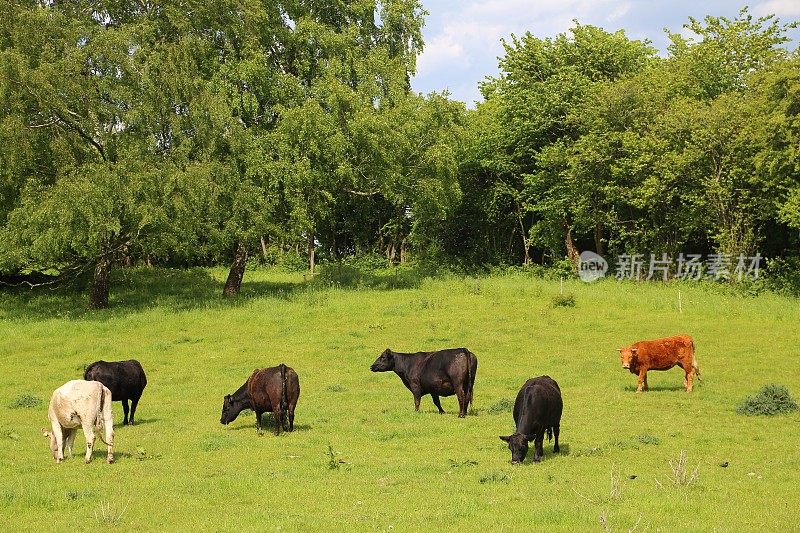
x=360, y=458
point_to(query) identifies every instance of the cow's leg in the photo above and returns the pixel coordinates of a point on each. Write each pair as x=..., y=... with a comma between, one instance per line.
x=125, y=410
x=278, y=413
x=687, y=381
x=538, y=448
x=417, y=398
x=437, y=403
x=258, y=421
x=58, y=433
x=69, y=441
x=291, y=417
x=134, y=403
x=88, y=432
x=556, y=429
x=642, y=379
x=646, y=386
x=462, y=402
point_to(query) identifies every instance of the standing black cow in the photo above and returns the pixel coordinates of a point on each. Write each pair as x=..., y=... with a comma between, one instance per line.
x=125, y=380
x=537, y=409
x=441, y=373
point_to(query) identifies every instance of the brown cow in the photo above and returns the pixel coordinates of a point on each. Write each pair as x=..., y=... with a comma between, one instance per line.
x=267, y=390
x=661, y=354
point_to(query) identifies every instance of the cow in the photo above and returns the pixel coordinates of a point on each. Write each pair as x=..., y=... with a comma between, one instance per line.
x=125, y=380
x=80, y=403
x=661, y=354
x=537, y=410
x=267, y=390
x=441, y=373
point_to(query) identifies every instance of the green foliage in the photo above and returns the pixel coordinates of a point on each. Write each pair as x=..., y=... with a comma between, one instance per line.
x=495, y=476
x=769, y=400
x=504, y=405
x=563, y=300
x=25, y=401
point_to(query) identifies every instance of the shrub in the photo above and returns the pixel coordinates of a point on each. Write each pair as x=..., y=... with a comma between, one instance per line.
x=25, y=401
x=563, y=300
x=770, y=400
x=504, y=405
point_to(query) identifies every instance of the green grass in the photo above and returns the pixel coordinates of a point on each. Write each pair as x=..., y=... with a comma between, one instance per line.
x=360, y=457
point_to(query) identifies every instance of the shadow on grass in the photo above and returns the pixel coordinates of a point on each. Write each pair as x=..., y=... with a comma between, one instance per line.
x=658, y=388
x=143, y=421
x=137, y=289
x=134, y=290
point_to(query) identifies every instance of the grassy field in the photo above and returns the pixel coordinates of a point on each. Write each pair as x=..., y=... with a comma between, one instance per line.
x=360, y=457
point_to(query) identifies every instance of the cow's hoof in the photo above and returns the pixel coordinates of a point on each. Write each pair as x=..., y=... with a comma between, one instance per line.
x=462, y=415
x=556, y=450
x=110, y=460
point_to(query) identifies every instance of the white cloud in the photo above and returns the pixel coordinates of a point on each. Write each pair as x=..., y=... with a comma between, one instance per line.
x=782, y=8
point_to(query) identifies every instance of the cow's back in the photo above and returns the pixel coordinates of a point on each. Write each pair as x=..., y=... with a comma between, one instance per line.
x=76, y=400
x=125, y=379
x=664, y=353
x=538, y=403
x=263, y=389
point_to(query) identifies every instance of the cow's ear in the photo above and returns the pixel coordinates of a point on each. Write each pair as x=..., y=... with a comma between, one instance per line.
x=506, y=439
x=528, y=438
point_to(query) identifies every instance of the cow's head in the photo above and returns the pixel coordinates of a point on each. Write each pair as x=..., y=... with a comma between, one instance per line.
x=627, y=356
x=384, y=362
x=518, y=444
x=229, y=412
x=53, y=443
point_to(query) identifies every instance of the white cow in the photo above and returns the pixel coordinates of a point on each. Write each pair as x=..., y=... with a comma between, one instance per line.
x=80, y=403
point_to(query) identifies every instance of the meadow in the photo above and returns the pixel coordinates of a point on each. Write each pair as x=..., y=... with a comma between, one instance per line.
x=360, y=458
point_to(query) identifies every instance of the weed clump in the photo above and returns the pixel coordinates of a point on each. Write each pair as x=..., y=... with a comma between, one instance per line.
x=770, y=400
x=25, y=401
x=563, y=300
x=495, y=476
x=504, y=405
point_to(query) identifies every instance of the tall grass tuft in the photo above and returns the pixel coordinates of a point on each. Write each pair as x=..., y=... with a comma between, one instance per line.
x=770, y=400
x=25, y=401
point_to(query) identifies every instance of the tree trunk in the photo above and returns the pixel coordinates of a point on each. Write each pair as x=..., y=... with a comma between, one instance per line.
x=264, y=248
x=525, y=243
x=311, y=253
x=98, y=293
x=234, y=281
x=598, y=239
x=572, y=251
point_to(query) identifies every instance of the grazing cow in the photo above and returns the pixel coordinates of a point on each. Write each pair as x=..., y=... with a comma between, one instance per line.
x=269, y=390
x=537, y=409
x=125, y=379
x=661, y=354
x=441, y=373
x=75, y=404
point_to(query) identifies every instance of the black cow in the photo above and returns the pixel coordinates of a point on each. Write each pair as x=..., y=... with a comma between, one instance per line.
x=125, y=380
x=537, y=409
x=441, y=373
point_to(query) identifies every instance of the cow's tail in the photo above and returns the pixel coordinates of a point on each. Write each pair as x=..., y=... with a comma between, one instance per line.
x=105, y=403
x=470, y=377
x=695, y=366
x=284, y=396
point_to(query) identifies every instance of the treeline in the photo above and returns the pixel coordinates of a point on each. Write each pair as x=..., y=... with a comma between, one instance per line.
x=186, y=133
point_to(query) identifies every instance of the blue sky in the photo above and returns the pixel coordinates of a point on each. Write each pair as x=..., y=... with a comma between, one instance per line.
x=462, y=37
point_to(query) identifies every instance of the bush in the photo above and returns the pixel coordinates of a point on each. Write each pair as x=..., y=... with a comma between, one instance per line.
x=501, y=406
x=770, y=400
x=26, y=401
x=564, y=300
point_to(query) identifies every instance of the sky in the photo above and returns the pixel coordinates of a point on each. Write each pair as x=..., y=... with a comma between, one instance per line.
x=462, y=37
